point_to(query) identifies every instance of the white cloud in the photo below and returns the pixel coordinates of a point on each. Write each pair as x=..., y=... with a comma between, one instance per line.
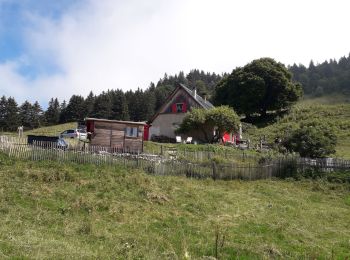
x=105, y=44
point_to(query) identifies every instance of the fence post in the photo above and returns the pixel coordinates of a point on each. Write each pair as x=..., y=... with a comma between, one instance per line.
x=214, y=170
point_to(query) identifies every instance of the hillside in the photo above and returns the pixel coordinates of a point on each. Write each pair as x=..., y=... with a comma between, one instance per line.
x=52, y=130
x=53, y=210
x=333, y=111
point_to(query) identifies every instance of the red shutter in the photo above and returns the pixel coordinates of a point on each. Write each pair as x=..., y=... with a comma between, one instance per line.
x=173, y=108
x=184, y=107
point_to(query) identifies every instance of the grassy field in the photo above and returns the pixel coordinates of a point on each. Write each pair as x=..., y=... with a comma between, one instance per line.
x=52, y=130
x=47, y=130
x=51, y=210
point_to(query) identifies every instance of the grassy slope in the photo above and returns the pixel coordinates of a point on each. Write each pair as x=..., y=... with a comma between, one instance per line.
x=333, y=110
x=68, y=211
x=47, y=130
x=52, y=130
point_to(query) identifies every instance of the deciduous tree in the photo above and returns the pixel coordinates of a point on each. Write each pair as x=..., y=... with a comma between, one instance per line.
x=260, y=86
x=222, y=119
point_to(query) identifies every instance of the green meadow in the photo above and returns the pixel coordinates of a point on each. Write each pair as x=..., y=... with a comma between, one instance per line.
x=50, y=210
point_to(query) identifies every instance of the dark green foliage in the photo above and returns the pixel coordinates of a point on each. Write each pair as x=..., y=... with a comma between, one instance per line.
x=312, y=140
x=30, y=115
x=204, y=82
x=327, y=77
x=37, y=116
x=260, y=86
x=222, y=119
x=196, y=119
x=63, y=114
x=52, y=114
x=161, y=93
x=11, y=118
x=119, y=109
x=102, y=106
x=141, y=104
x=25, y=114
x=75, y=110
x=89, y=104
x=3, y=104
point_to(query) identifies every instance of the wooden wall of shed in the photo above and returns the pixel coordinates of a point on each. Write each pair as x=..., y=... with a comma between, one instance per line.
x=110, y=134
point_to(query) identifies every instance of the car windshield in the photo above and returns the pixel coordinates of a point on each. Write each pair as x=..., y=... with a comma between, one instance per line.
x=82, y=131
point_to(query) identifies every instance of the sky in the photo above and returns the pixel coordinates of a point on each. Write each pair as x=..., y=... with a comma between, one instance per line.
x=51, y=48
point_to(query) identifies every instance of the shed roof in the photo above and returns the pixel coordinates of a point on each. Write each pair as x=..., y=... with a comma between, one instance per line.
x=114, y=121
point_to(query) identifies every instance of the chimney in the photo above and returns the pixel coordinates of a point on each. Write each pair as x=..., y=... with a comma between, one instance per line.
x=205, y=98
x=195, y=93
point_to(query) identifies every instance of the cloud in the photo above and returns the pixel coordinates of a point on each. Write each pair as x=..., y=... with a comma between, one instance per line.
x=103, y=44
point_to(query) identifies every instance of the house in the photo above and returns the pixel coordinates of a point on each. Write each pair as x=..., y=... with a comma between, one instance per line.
x=170, y=115
x=123, y=136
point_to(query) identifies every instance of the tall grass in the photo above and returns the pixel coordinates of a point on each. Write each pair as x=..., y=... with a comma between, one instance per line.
x=52, y=210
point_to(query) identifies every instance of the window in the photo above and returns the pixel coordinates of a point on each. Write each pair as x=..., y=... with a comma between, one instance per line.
x=179, y=107
x=131, y=131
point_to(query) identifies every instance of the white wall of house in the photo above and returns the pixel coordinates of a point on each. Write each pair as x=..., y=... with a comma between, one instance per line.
x=166, y=124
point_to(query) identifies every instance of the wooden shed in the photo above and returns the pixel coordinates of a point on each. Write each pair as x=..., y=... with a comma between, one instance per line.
x=124, y=136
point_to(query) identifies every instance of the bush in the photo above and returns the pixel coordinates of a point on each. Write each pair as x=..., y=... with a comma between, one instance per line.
x=312, y=140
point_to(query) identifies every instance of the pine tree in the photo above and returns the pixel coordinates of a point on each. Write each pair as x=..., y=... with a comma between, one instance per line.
x=89, y=104
x=119, y=106
x=75, y=110
x=12, y=119
x=102, y=106
x=63, y=114
x=26, y=114
x=52, y=114
x=3, y=104
x=37, y=116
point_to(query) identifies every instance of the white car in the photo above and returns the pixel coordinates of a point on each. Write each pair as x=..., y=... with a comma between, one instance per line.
x=74, y=133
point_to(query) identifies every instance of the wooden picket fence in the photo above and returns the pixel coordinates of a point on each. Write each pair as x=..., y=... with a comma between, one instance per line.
x=159, y=165
x=202, y=155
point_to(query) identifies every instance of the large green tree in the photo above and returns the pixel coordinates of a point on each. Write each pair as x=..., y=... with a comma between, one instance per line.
x=260, y=86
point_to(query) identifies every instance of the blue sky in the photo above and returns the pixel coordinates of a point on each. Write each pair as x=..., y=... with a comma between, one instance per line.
x=56, y=48
x=16, y=19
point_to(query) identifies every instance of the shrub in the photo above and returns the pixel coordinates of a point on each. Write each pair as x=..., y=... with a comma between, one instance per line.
x=312, y=140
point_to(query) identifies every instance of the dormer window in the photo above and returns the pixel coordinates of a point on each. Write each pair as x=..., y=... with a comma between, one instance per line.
x=179, y=107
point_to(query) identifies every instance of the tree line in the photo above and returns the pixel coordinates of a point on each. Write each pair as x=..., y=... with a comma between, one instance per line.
x=327, y=77
x=248, y=96
x=138, y=105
